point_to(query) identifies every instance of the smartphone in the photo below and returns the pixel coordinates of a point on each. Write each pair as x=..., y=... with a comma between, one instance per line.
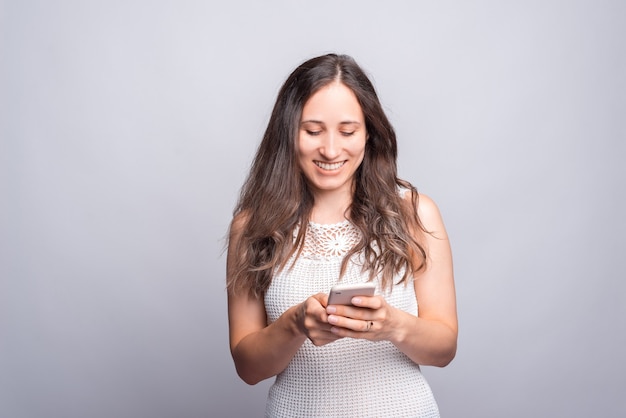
x=342, y=294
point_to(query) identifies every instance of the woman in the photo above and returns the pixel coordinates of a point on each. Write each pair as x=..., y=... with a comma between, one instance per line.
x=323, y=205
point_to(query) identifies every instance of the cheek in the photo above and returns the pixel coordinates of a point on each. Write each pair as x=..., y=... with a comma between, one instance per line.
x=298, y=147
x=302, y=152
x=358, y=148
x=306, y=148
x=362, y=150
x=303, y=156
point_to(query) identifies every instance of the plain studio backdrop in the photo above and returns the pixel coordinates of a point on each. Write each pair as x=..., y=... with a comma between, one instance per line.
x=127, y=128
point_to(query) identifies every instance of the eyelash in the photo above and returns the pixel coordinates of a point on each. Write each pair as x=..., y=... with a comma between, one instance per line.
x=315, y=133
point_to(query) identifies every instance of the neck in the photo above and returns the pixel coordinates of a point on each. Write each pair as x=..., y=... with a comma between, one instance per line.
x=331, y=207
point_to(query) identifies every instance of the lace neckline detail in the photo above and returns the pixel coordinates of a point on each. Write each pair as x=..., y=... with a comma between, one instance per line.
x=329, y=241
x=335, y=224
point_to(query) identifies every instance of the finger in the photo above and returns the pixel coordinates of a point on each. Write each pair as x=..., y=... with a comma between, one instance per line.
x=322, y=298
x=358, y=325
x=348, y=311
x=371, y=302
x=348, y=333
x=323, y=336
x=315, y=310
x=317, y=322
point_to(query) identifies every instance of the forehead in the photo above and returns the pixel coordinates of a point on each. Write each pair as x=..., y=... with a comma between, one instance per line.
x=334, y=100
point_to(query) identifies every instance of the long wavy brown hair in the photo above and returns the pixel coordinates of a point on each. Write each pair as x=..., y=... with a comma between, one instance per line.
x=276, y=199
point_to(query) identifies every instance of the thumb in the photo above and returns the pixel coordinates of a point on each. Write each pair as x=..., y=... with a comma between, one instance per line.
x=322, y=298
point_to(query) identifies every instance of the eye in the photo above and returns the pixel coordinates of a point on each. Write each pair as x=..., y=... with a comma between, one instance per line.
x=313, y=133
x=347, y=133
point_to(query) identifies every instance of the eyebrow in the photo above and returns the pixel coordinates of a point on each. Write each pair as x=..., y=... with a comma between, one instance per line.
x=345, y=122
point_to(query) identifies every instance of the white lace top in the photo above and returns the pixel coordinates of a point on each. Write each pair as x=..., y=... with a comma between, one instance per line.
x=348, y=377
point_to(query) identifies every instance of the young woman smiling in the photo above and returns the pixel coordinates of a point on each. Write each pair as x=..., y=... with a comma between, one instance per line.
x=323, y=205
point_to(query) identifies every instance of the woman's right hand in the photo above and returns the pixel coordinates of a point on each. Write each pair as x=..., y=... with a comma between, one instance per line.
x=312, y=320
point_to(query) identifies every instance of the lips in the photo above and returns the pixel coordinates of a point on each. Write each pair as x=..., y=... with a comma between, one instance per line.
x=329, y=166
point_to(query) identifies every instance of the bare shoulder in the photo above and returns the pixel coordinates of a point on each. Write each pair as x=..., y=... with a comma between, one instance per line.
x=427, y=209
x=238, y=225
x=429, y=214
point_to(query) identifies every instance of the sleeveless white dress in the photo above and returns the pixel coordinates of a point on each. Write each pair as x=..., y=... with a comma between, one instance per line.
x=348, y=377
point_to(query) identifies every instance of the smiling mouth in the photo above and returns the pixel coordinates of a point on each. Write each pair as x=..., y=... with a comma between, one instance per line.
x=329, y=166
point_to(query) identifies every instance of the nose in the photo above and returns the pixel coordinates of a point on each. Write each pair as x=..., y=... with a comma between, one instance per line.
x=330, y=147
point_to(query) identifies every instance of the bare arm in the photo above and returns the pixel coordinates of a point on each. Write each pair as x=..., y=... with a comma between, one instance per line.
x=431, y=337
x=260, y=350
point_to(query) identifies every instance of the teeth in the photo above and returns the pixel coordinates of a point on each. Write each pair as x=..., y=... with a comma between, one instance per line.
x=327, y=166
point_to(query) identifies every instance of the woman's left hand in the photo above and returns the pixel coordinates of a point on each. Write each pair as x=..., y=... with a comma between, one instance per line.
x=429, y=338
x=369, y=317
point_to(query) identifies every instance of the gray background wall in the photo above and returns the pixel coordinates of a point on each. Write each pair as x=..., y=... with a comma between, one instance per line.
x=127, y=128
